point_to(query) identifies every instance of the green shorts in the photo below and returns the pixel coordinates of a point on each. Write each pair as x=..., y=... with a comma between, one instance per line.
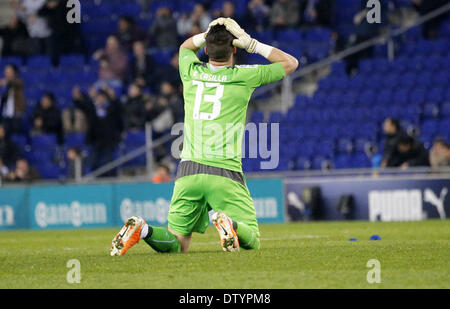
x=199, y=189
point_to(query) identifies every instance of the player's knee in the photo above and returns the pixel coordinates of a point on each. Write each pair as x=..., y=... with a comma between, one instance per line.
x=255, y=244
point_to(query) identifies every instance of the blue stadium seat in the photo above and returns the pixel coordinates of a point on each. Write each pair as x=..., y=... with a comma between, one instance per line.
x=162, y=56
x=401, y=96
x=266, y=36
x=431, y=110
x=442, y=78
x=425, y=79
x=41, y=156
x=75, y=139
x=430, y=127
x=357, y=82
x=445, y=109
x=384, y=97
x=343, y=161
x=20, y=141
x=307, y=148
x=302, y=163
x=17, y=61
x=361, y=144
x=49, y=170
x=135, y=139
x=318, y=163
x=325, y=148
x=283, y=165
x=436, y=95
x=43, y=141
x=257, y=117
x=417, y=96
x=344, y=145
x=367, y=97
x=73, y=60
x=129, y=8
x=444, y=126
x=360, y=161
x=39, y=62
x=408, y=80
x=275, y=117
x=390, y=80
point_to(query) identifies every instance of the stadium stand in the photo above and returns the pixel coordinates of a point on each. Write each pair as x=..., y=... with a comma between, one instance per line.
x=331, y=128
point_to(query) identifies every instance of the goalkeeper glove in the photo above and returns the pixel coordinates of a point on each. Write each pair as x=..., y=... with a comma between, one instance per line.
x=245, y=41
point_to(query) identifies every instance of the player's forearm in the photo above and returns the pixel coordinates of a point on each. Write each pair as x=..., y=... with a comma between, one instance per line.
x=194, y=43
x=289, y=63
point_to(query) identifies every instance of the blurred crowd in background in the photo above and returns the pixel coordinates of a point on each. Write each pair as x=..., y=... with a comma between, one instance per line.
x=133, y=87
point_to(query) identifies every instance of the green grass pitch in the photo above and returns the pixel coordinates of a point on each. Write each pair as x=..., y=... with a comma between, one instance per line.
x=300, y=255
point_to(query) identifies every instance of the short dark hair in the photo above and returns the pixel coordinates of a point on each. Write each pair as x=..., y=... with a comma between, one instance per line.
x=164, y=167
x=442, y=141
x=406, y=140
x=14, y=67
x=396, y=123
x=219, y=42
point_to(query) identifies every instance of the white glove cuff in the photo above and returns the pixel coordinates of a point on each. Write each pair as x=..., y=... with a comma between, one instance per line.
x=263, y=49
x=199, y=40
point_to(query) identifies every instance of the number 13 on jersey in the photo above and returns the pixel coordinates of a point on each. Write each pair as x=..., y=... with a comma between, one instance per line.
x=200, y=97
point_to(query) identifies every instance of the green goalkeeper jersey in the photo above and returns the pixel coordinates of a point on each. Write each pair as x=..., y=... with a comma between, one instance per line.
x=215, y=106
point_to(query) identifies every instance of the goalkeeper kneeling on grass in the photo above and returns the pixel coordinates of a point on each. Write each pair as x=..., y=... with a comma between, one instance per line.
x=216, y=95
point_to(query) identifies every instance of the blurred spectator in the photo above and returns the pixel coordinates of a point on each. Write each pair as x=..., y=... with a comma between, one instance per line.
x=408, y=153
x=317, y=12
x=285, y=13
x=74, y=157
x=440, y=153
x=430, y=29
x=129, y=32
x=162, y=174
x=73, y=118
x=104, y=127
x=22, y=172
x=393, y=132
x=195, y=29
x=168, y=73
x=142, y=65
x=113, y=63
x=169, y=100
x=227, y=10
x=135, y=109
x=12, y=105
x=38, y=28
x=8, y=149
x=47, y=117
x=15, y=38
x=65, y=37
x=4, y=171
x=164, y=29
x=363, y=31
x=198, y=16
x=258, y=14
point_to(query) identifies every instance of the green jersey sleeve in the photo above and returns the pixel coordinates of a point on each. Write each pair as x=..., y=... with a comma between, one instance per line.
x=259, y=75
x=186, y=59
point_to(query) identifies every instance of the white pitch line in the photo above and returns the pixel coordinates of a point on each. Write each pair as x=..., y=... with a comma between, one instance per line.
x=292, y=237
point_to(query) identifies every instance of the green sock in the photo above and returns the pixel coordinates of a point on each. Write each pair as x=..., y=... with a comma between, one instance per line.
x=161, y=240
x=247, y=237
